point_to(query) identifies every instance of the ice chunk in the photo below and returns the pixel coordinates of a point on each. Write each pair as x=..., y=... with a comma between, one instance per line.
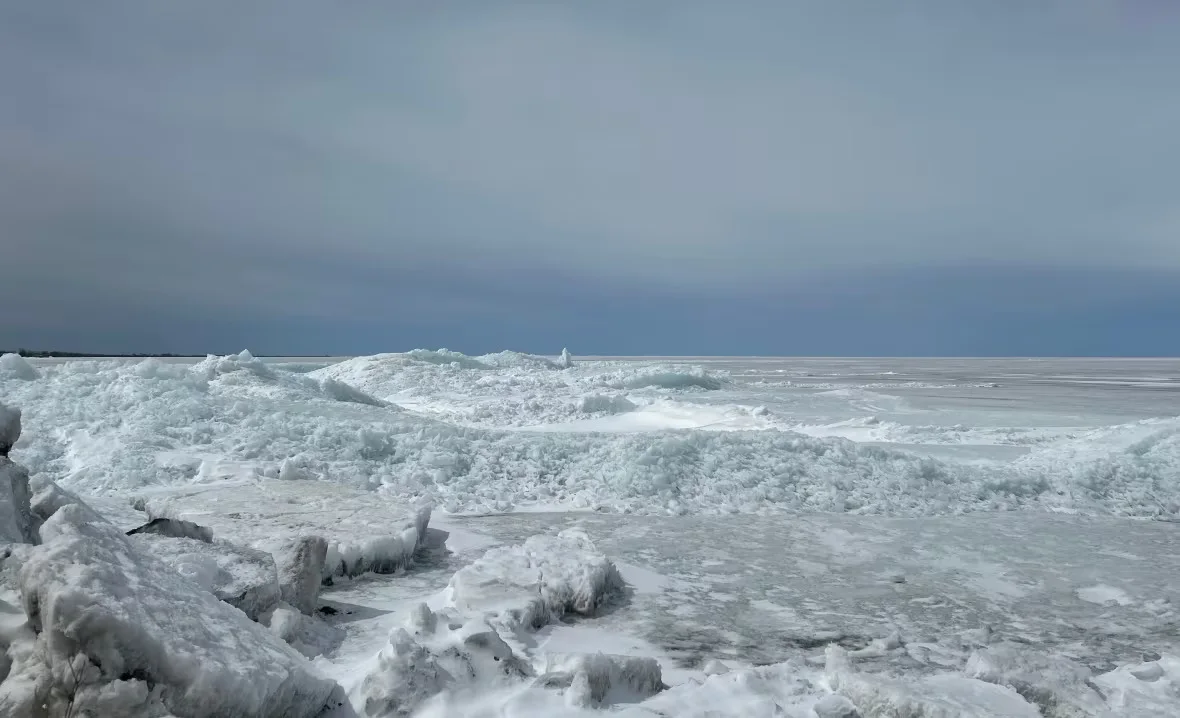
x=1056, y=684
x=16, y=519
x=16, y=366
x=592, y=680
x=9, y=428
x=531, y=584
x=48, y=498
x=427, y=656
x=127, y=625
x=1143, y=689
x=300, y=564
x=309, y=635
x=364, y=532
x=566, y=361
x=600, y=404
x=174, y=528
x=244, y=578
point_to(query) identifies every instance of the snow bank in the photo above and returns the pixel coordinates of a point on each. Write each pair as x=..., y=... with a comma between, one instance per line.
x=121, y=633
x=14, y=366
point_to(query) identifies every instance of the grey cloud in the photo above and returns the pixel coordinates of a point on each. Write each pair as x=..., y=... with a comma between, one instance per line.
x=319, y=157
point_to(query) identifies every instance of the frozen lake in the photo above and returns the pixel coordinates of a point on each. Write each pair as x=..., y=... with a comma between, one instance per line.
x=917, y=513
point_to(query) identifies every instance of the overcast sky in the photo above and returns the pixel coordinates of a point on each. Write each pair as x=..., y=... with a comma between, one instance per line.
x=774, y=177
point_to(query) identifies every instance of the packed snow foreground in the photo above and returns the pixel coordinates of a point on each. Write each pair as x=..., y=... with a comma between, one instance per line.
x=170, y=552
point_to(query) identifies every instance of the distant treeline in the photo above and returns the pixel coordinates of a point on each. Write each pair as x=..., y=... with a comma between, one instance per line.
x=33, y=354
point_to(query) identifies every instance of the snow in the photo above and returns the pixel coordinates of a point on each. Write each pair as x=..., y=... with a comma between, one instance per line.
x=119, y=632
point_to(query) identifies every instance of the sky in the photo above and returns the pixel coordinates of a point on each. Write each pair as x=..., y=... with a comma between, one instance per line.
x=616, y=177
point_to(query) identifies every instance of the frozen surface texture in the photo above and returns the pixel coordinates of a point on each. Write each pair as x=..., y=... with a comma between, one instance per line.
x=119, y=632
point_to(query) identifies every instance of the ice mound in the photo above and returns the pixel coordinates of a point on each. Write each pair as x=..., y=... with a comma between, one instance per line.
x=15, y=366
x=118, y=632
x=537, y=582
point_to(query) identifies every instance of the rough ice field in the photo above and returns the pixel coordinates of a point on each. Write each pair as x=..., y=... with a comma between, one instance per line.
x=641, y=538
x=510, y=431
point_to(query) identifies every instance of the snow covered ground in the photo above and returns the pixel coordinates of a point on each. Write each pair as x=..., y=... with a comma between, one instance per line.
x=743, y=536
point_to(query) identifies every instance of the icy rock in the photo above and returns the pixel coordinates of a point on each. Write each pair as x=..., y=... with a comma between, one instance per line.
x=244, y=578
x=715, y=668
x=174, y=528
x=835, y=706
x=592, y=680
x=300, y=564
x=128, y=618
x=9, y=428
x=532, y=584
x=17, y=524
x=16, y=367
